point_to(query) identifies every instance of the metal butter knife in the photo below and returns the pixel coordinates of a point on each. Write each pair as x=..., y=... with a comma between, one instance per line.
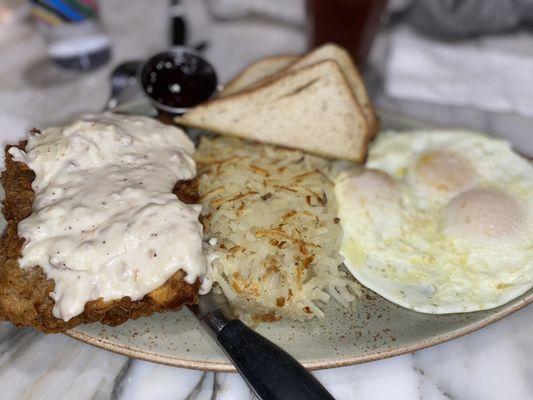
x=269, y=371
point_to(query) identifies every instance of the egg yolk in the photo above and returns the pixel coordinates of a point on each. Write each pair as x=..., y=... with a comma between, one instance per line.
x=444, y=171
x=371, y=186
x=485, y=217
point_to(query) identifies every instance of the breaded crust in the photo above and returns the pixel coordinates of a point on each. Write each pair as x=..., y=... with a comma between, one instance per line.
x=24, y=293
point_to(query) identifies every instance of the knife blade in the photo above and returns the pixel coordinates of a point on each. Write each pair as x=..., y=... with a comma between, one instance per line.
x=269, y=371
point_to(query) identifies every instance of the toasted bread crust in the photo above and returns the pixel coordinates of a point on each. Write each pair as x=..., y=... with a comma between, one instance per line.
x=234, y=85
x=184, y=120
x=24, y=293
x=353, y=71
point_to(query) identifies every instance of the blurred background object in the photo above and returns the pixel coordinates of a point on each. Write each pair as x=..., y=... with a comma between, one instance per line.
x=12, y=12
x=462, y=63
x=73, y=34
x=278, y=11
x=469, y=54
x=478, y=73
x=458, y=19
x=349, y=23
x=178, y=23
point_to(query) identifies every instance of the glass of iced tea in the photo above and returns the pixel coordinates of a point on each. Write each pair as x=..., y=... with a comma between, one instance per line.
x=349, y=23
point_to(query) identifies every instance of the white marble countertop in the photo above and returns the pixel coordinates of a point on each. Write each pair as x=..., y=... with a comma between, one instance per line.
x=494, y=363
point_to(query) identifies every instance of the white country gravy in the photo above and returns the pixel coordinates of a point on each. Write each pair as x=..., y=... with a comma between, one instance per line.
x=105, y=223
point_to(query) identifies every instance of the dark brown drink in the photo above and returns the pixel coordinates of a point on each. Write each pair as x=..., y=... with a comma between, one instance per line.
x=349, y=23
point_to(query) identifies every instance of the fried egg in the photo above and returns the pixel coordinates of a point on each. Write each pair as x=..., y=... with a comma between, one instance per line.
x=439, y=221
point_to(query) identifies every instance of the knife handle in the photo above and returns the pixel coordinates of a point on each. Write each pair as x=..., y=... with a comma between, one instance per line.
x=271, y=372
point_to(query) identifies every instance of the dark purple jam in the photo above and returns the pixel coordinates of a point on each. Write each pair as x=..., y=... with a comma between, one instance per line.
x=178, y=79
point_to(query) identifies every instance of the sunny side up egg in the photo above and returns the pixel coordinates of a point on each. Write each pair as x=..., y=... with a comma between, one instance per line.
x=439, y=221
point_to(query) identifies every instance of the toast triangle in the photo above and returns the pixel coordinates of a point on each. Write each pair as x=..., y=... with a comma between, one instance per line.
x=256, y=72
x=341, y=56
x=311, y=109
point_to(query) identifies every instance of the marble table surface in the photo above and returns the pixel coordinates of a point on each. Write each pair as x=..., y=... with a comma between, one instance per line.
x=494, y=363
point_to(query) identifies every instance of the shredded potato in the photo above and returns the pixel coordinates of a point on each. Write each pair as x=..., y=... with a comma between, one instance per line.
x=271, y=215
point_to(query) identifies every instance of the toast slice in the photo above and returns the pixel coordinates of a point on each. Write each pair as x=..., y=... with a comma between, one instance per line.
x=333, y=52
x=256, y=72
x=311, y=109
x=24, y=293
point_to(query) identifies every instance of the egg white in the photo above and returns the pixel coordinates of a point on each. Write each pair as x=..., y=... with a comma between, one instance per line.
x=439, y=221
